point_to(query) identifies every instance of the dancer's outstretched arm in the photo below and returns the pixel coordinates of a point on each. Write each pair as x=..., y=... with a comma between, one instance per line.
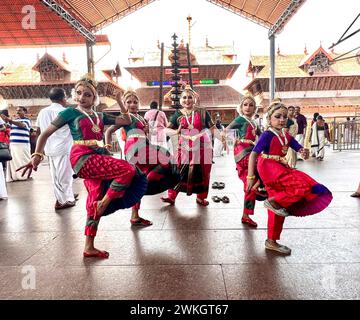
x=38, y=155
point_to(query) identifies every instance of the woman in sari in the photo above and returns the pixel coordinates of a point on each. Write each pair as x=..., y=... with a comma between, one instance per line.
x=111, y=183
x=290, y=191
x=246, y=132
x=152, y=160
x=318, y=136
x=194, y=154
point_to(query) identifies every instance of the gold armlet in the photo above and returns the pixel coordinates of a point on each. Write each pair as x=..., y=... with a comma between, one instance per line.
x=251, y=177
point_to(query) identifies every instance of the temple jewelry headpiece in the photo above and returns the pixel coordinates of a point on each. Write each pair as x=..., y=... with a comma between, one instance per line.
x=276, y=104
x=247, y=96
x=130, y=93
x=188, y=88
x=89, y=82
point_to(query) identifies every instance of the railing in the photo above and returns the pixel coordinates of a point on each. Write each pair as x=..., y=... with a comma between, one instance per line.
x=346, y=135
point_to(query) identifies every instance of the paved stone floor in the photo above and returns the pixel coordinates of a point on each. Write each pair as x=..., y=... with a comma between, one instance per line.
x=190, y=252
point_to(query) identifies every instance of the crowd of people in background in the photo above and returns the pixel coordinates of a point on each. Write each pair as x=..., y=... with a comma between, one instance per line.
x=175, y=155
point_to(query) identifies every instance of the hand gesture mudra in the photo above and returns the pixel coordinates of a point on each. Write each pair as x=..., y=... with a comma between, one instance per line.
x=32, y=165
x=305, y=153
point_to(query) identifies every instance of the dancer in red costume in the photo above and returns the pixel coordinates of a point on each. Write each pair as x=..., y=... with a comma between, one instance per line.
x=111, y=183
x=246, y=134
x=290, y=192
x=194, y=154
x=152, y=160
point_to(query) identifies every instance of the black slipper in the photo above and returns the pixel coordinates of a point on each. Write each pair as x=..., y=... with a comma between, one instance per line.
x=216, y=198
x=215, y=185
x=225, y=199
x=221, y=185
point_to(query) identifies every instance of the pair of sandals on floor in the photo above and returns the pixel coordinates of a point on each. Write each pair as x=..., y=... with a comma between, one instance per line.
x=224, y=199
x=219, y=185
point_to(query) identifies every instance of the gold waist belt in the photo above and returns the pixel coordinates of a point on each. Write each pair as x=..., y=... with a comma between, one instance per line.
x=246, y=141
x=274, y=157
x=94, y=142
x=136, y=135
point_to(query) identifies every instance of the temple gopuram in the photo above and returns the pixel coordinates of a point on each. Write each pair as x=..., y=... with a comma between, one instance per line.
x=324, y=82
x=27, y=85
x=211, y=67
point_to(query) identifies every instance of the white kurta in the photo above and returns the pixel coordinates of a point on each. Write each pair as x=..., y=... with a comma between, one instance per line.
x=57, y=149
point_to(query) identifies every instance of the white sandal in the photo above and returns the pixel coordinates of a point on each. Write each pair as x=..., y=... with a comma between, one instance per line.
x=280, y=212
x=277, y=247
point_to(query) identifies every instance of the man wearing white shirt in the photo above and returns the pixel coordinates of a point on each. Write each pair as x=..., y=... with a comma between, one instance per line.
x=57, y=149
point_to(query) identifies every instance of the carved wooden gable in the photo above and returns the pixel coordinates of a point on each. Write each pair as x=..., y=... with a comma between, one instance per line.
x=319, y=62
x=51, y=70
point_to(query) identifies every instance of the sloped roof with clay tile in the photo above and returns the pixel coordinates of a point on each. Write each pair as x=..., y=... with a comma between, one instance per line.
x=289, y=65
x=26, y=74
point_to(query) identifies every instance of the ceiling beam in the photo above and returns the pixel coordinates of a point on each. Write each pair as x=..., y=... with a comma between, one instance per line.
x=53, y=5
x=286, y=15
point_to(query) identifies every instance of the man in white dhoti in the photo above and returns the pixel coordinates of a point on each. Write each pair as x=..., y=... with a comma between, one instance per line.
x=57, y=149
x=319, y=135
x=19, y=144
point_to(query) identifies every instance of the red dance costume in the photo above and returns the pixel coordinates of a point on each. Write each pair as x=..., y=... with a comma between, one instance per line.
x=152, y=160
x=292, y=189
x=194, y=158
x=102, y=173
x=246, y=133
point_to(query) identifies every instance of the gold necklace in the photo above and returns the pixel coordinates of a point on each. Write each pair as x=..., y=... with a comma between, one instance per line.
x=190, y=125
x=284, y=144
x=139, y=118
x=95, y=126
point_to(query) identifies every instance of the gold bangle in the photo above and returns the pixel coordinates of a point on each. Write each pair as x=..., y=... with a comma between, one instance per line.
x=108, y=145
x=127, y=112
x=41, y=155
x=251, y=177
